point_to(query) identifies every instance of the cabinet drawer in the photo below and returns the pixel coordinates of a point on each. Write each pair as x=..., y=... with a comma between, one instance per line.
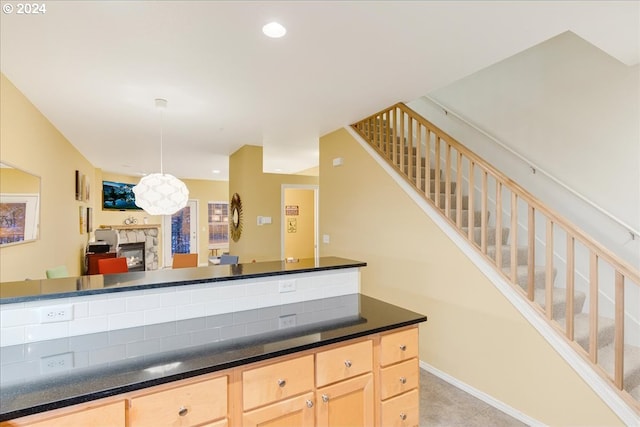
x=397, y=379
x=399, y=346
x=401, y=411
x=109, y=415
x=297, y=411
x=186, y=405
x=343, y=362
x=276, y=381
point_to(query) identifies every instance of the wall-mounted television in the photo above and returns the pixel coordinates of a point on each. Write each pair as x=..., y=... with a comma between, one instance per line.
x=118, y=196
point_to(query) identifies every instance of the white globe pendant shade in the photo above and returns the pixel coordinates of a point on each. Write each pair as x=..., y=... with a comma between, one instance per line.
x=161, y=194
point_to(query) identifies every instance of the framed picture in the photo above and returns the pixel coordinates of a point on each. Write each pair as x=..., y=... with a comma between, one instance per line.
x=82, y=217
x=78, y=188
x=87, y=189
x=89, y=220
x=18, y=217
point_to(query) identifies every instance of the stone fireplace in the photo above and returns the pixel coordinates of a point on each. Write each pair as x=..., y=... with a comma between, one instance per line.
x=148, y=234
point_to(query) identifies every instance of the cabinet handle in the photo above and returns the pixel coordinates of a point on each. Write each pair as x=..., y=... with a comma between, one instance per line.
x=182, y=411
x=309, y=404
x=325, y=398
x=347, y=363
x=403, y=380
x=403, y=347
x=282, y=383
x=403, y=416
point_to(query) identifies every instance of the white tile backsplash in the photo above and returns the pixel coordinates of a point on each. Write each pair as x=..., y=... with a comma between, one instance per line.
x=20, y=322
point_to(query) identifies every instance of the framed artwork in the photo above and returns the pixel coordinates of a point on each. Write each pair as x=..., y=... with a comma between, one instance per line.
x=78, y=188
x=89, y=220
x=82, y=217
x=87, y=188
x=18, y=217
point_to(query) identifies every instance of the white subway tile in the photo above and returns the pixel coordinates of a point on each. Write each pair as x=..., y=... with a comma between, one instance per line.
x=12, y=336
x=80, y=310
x=176, y=298
x=143, y=302
x=46, y=331
x=126, y=320
x=190, y=311
x=23, y=317
x=106, y=306
x=88, y=325
x=233, y=290
x=205, y=295
x=160, y=315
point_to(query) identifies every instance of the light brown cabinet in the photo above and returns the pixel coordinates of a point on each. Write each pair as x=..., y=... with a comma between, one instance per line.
x=399, y=379
x=185, y=405
x=97, y=414
x=364, y=382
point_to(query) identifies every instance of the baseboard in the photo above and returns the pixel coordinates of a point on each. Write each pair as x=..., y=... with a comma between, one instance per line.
x=489, y=400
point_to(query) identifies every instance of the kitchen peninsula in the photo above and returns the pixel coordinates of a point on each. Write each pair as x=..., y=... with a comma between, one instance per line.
x=221, y=345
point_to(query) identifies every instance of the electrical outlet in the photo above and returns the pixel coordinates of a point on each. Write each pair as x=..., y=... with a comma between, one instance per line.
x=56, y=363
x=288, y=321
x=58, y=313
x=287, y=286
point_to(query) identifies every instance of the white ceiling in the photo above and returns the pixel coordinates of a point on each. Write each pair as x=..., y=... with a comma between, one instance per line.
x=94, y=68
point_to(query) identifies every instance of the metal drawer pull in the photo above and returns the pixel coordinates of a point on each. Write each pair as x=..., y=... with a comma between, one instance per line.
x=347, y=363
x=282, y=382
x=309, y=404
x=403, y=416
x=403, y=380
x=182, y=411
x=403, y=347
x=325, y=398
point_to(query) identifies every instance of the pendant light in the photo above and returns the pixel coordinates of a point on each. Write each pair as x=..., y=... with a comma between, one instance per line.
x=161, y=193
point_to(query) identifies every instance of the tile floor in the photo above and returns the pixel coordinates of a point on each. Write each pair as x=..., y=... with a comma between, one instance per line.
x=444, y=405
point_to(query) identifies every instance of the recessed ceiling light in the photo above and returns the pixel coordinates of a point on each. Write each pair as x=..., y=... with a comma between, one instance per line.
x=216, y=171
x=274, y=30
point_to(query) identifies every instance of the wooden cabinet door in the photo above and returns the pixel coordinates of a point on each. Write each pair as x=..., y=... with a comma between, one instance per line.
x=401, y=411
x=347, y=403
x=110, y=415
x=297, y=411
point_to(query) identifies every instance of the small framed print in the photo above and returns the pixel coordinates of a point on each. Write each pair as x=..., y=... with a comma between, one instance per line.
x=82, y=217
x=89, y=220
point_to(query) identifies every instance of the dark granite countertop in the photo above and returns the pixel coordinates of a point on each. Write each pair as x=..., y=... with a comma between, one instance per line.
x=30, y=290
x=110, y=363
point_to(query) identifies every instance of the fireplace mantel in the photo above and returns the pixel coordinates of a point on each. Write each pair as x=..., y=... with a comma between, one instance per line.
x=131, y=226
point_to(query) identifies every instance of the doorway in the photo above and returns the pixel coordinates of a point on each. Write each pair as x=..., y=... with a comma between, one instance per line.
x=180, y=232
x=299, y=221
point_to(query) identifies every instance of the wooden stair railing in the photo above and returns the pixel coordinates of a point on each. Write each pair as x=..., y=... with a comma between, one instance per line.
x=525, y=234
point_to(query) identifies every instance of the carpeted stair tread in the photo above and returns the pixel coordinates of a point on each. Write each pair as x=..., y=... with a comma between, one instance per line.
x=522, y=275
x=559, y=301
x=631, y=375
x=521, y=259
x=443, y=198
x=491, y=235
x=477, y=216
x=581, y=328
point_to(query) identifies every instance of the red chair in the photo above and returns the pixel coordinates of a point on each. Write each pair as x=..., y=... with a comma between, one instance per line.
x=112, y=265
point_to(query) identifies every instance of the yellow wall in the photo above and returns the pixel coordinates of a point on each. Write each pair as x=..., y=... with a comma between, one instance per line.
x=261, y=195
x=473, y=332
x=30, y=142
x=299, y=235
x=16, y=181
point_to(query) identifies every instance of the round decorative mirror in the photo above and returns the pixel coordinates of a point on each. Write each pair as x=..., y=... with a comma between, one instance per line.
x=235, y=226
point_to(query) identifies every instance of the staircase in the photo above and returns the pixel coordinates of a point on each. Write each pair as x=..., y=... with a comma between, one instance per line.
x=577, y=285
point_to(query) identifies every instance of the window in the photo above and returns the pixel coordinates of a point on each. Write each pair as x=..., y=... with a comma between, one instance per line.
x=218, y=224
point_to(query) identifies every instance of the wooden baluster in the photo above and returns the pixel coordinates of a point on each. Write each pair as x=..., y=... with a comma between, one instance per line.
x=593, y=306
x=388, y=132
x=419, y=157
x=531, y=252
x=483, y=213
x=618, y=370
x=459, y=191
x=571, y=273
x=436, y=162
x=548, y=281
x=514, y=236
x=470, y=213
x=498, y=243
x=447, y=179
x=409, y=149
x=392, y=154
x=427, y=162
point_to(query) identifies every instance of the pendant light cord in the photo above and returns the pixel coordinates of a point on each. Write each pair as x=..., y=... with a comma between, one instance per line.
x=161, y=140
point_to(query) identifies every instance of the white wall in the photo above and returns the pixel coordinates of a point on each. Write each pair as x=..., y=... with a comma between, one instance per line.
x=570, y=109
